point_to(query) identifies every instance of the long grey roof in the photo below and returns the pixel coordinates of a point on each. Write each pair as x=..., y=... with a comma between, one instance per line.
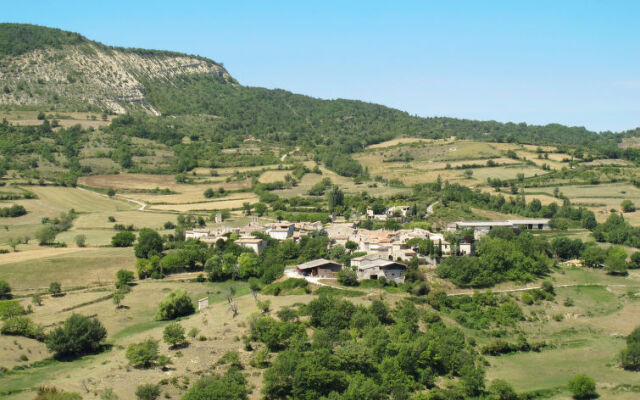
x=317, y=263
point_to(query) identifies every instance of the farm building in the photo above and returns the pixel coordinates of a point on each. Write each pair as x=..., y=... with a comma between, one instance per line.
x=320, y=268
x=376, y=267
x=251, y=242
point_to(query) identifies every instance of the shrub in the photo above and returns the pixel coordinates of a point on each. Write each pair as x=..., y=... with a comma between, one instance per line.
x=582, y=387
x=5, y=290
x=81, y=240
x=628, y=206
x=52, y=393
x=22, y=326
x=173, y=334
x=77, y=336
x=630, y=356
x=123, y=239
x=148, y=391
x=176, y=304
x=10, y=308
x=231, y=386
x=526, y=298
x=143, y=354
x=111, y=219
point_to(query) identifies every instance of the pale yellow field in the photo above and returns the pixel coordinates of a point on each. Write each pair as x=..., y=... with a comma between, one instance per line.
x=397, y=141
x=234, y=201
x=273, y=176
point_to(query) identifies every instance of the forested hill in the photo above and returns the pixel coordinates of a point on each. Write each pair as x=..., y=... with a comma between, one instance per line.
x=50, y=69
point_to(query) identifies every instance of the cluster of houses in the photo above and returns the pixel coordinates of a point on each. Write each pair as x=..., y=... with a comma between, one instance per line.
x=385, y=250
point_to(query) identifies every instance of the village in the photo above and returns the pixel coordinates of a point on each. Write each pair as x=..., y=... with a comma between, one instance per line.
x=377, y=253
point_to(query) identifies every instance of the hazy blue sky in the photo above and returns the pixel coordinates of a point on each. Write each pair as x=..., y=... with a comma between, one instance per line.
x=572, y=62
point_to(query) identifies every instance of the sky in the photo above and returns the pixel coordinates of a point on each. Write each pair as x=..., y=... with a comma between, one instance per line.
x=570, y=62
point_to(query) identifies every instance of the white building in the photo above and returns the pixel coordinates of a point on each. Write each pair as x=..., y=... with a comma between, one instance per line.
x=197, y=234
x=403, y=211
x=281, y=231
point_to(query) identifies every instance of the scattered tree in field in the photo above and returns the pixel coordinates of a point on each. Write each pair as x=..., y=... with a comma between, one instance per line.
x=36, y=299
x=55, y=289
x=630, y=356
x=593, y=256
x=5, y=290
x=123, y=278
x=173, y=335
x=264, y=306
x=254, y=285
x=13, y=243
x=117, y=298
x=148, y=391
x=77, y=336
x=46, y=235
x=335, y=198
x=635, y=260
x=145, y=355
x=123, y=239
x=81, y=240
x=111, y=192
x=176, y=304
x=582, y=387
x=616, y=261
x=628, y=206
x=108, y=394
x=149, y=243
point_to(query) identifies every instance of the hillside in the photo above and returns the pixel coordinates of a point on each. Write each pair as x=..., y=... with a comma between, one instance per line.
x=52, y=69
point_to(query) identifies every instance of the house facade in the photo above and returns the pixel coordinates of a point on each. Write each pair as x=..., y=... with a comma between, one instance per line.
x=251, y=242
x=369, y=267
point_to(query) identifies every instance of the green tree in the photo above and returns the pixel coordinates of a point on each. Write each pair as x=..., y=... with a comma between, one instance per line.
x=111, y=192
x=117, y=298
x=81, y=240
x=147, y=391
x=593, y=256
x=173, y=335
x=583, y=387
x=616, y=262
x=77, y=336
x=209, y=193
x=55, y=289
x=231, y=386
x=247, y=265
x=260, y=208
x=123, y=278
x=501, y=390
x=144, y=354
x=351, y=246
x=46, y=235
x=630, y=356
x=5, y=290
x=628, y=206
x=149, y=243
x=335, y=198
x=176, y=304
x=123, y=239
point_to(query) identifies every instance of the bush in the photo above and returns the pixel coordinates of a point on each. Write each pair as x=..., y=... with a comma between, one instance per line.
x=628, y=206
x=348, y=277
x=10, y=308
x=176, y=304
x=52, y=393
x=22, y=326
x=81, y=240
x=143, y=354
x=173, y=335
x=582, y=387
x=123, y=239
x=231, y=386
x=147, y=391
x=77, y=336
x=5, y=290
